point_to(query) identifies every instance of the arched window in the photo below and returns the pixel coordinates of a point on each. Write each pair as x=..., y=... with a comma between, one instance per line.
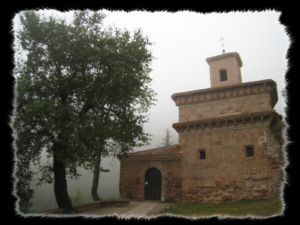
x=223, y=75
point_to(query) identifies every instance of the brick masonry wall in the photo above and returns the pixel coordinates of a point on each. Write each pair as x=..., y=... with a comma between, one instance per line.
x=132, y=178
x=227, y=174
x=242, y=104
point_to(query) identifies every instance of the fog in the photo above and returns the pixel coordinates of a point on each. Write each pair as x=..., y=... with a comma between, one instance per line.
x=183, y=41
x=44, y=198
x=108, y=187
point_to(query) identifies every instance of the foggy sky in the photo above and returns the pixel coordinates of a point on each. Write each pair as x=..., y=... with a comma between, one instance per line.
x=183, y=40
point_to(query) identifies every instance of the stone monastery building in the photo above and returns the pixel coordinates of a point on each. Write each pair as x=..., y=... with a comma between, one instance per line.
x=226, y=151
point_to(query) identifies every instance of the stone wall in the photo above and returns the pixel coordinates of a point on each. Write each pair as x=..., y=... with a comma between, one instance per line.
x=132, y=178
x=243, y=104
x=227, y=174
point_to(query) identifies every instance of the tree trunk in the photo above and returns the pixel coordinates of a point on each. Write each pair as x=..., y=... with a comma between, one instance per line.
x=95, y=195
x=60, y=186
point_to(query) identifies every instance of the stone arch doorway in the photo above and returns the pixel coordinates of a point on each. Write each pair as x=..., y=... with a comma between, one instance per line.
x=152, y=184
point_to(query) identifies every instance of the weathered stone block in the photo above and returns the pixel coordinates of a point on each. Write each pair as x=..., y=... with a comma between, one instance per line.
x=206, y=184
x=227, y=197
x=233, y=183
x=218, y=183
x=248, y=184
x=257, y=195
x=261, y=176
x=229, y=190
x=261, y=190
x=246, y=176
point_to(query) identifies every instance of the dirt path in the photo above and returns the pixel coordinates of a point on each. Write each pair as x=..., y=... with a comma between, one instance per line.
x=134, y=209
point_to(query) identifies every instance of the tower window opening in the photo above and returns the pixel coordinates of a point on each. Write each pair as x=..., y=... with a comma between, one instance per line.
x=249, y=151
x=202, y=154
x=223, y=75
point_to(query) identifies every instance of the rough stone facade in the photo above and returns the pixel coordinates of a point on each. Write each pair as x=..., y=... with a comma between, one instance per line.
x=226, y=173
x=248, y=97
x=226, y=150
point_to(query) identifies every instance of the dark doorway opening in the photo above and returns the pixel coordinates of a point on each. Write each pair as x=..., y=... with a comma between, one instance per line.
x=152, y=184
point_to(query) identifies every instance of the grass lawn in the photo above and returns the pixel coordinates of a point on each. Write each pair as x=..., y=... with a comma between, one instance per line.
x=244, y=208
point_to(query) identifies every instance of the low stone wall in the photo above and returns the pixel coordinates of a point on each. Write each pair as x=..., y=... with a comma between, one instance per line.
x=114, y=203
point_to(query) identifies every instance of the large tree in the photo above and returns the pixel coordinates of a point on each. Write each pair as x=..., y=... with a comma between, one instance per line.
x=82, y=92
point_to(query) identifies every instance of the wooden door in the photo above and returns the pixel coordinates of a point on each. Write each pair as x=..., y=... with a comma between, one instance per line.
x=152, y=184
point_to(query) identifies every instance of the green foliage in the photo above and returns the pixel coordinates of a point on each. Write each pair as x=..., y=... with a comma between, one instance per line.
x=23, y=191
x=244, y=208
x=28, y=207
x=77, y=198
x=276, y=126
x=104, y=170
x=81, y=90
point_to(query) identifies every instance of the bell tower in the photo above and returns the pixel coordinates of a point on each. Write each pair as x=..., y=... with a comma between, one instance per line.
x=225, y=69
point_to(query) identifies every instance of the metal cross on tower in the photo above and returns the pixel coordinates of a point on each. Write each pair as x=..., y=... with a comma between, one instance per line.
x=222, y=39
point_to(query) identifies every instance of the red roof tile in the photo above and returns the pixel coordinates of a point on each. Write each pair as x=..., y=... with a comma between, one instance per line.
x=172, y=150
